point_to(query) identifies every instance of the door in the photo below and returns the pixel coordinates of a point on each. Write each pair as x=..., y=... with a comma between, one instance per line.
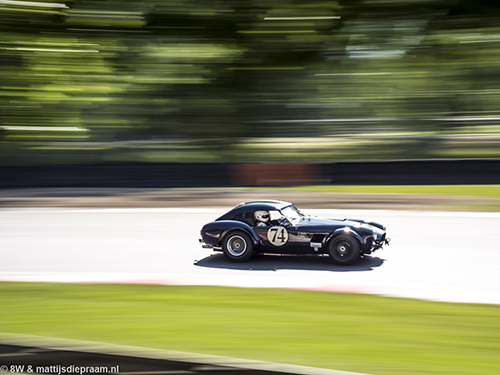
x=283, y=239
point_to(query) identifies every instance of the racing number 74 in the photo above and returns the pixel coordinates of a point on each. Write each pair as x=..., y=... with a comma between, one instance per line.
x=278, y=236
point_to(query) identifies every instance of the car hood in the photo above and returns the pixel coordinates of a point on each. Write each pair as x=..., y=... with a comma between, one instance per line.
x=325, y=223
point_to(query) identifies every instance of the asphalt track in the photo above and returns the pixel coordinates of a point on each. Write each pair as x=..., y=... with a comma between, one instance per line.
x=446, y=256
x=32, y=359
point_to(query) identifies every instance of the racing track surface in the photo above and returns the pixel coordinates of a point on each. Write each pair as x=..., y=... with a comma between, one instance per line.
x=22, y=359
x=447, y=256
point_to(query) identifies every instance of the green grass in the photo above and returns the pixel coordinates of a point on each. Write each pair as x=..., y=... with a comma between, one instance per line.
x=489, y=192
x=485, y=191
x=363, y=333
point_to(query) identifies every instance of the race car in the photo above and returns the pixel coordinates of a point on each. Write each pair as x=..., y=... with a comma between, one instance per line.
x=277, y=227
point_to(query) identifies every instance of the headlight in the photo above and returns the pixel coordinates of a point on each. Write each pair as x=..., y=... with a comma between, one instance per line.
x=372, y=237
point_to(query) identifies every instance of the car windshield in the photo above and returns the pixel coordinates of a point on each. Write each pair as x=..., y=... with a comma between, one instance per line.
x=292, y=213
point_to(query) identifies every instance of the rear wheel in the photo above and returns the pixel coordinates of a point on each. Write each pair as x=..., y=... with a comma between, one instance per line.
x=344, y=249
x=237, y=246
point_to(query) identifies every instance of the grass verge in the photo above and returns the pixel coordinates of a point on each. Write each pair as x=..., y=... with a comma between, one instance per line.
x=484, y=191
x=362, y=333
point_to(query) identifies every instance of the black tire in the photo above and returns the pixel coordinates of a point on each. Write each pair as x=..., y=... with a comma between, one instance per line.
x=237, y=246
x=344, y=249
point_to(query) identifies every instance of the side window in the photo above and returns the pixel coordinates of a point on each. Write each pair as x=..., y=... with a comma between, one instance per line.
x=246, y=217
x=277, y=218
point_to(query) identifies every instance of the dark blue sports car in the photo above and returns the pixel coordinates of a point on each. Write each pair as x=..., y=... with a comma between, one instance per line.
x=276, y=227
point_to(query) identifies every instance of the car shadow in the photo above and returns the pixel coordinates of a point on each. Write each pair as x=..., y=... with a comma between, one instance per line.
x=287, y=262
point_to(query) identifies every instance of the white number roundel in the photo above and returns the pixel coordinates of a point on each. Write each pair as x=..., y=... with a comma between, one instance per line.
x=278, y=236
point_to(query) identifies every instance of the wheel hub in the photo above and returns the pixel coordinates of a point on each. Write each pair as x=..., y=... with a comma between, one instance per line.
x=237, y=246
x=343, y=249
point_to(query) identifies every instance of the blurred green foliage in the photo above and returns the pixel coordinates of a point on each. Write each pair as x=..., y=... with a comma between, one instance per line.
x=224, y=72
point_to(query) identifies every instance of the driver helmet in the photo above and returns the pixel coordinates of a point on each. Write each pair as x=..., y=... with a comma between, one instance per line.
x=262, y=216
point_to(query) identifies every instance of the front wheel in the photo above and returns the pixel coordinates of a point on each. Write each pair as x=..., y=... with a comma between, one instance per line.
x=237, y=246
x=344, y=249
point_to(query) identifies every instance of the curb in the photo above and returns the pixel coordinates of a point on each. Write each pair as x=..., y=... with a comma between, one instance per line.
x=150, y=353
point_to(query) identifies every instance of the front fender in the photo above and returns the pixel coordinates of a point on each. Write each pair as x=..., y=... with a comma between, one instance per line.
x=344, y=231
x=372, y=223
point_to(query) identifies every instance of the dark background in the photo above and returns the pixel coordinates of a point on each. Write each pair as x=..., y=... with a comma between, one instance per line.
x=169, y=175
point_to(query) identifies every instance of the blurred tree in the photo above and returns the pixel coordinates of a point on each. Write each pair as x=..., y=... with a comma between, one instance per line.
x=225, y=69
